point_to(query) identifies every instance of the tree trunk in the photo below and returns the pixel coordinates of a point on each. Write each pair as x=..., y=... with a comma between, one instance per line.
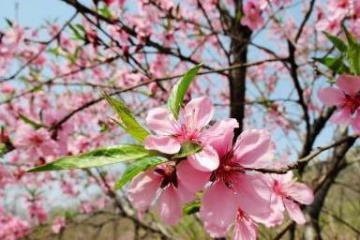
x=238, y=55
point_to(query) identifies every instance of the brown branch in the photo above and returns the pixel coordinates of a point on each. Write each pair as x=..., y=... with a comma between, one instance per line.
x=308, y=158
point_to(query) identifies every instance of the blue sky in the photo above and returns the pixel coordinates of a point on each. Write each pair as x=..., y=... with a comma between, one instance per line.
x=33, y=12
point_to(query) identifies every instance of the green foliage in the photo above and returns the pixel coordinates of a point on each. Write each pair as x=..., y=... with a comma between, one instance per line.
x=177, y=95
x=137, y=167
x=127, y=120
x=97, y=158
x=338, y=43
x=349, y=59
x=336, y=64
x=191, y=208
x=31, y=122
x=187, y=149
x=78, y=32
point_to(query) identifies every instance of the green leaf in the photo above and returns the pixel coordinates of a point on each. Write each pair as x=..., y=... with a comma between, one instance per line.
x=3, y=149
x=127, y=120
x=176, y=97
x=32, y=123
x=97, y=158
x=105, y=12
x=191, y=208
x=187, y=149
x=137, y=167
x=79, y=33
x=335, y=64
x=338, y=43
x=354, y=58
x=351, y=40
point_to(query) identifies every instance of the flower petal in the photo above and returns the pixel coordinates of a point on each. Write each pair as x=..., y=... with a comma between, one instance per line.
x=331, y=96
x=253, y=148
x=161, y=121
x=254, y=196
x=220, y=136
x=206, y=160
x=341, y=116
x=217, y=217
x=245, y=229
x=294, y=211
x=191, y=178
x=169, y=205
x=198, y=113
x=164, y=144
x=349, y=84
x=300, y=193
x=142, y=190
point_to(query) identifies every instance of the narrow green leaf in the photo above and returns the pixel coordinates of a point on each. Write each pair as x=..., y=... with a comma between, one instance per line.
x=350, y=38
x=30, y=121
x=335, y=64
x=338, y=43
x=191, y=208
x=78, y=34
x=354, y=58
x=177, y=95
x=97, y=158
x=187, y=149
x=137, y=167
x=127, y=120
x=105, y=12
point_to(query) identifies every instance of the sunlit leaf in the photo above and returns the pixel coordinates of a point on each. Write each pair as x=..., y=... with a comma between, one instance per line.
x=97, y=158
x=137, y=167
x=127, y=120
x=177, y=95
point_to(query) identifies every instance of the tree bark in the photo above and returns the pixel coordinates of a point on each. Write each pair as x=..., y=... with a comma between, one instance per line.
x=237, y=80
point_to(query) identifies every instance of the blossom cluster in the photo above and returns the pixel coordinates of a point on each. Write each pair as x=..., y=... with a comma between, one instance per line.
x=346, y=97
x=222, y=177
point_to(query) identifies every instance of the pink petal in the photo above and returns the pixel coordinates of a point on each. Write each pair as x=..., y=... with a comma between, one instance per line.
x=220, y=136
x=253, y=148
x=169, y=205
x=245, y=229
x=341, y=116
x=206, y=160
x=294, y=211
x=164, y=144
x=300, y=193
x=355, y=123
x=218, y=209
x=191, y=178
x=142, y=190
x=161, y=121
x=254, y=196
x=198, y=113
x=331, y=96
x=349, y=84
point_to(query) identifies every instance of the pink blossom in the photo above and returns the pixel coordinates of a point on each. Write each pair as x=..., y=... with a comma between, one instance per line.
x=288, y=194
x=252, y=15
x=36, y=143
x=12, y=228
x=190, y=126
x=58, y=225
x=346, y=97
x=168, y=188
x=36, y=211
x=244, y=194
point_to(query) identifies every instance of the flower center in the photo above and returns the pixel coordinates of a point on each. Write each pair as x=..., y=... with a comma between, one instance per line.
x=352, y=102
x=227, y=170
x=169, y=175
x=277, y=188
x=36, y=139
